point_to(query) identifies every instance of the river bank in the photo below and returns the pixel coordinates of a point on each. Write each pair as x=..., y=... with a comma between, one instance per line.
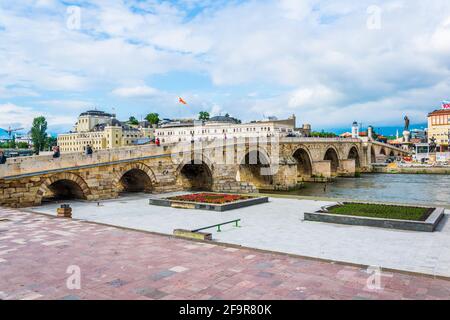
x=418, y=189
x=411, y=170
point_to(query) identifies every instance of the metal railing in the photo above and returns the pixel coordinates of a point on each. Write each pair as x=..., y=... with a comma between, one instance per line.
x=219, y=225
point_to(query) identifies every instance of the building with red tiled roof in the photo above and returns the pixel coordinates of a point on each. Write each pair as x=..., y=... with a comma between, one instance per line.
x=439, y=128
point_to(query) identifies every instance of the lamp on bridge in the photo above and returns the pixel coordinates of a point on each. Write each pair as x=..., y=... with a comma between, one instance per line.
x=370, y=133
x=355, y=130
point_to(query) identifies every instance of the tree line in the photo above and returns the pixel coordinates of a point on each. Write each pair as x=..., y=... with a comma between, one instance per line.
x=153, y=118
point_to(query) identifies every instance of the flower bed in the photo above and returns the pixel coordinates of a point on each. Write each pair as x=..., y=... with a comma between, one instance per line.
x=208, y=201
x=213, y=198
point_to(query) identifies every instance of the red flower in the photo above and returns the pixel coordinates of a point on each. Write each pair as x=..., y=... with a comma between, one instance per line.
x=213, y=198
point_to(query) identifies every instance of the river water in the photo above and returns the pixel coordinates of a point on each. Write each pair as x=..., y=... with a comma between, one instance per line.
x=397, y=188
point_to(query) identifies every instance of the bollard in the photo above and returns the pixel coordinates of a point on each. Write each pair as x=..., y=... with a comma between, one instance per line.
x=65, y=211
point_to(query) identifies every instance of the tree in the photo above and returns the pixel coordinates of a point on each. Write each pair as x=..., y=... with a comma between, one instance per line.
x=22, y=145
x=152, y=118
x=133, y=121
x=203, y=115
x=39, y=134
x=51, y=141
x=323, y=134
x=12, y=143
x=227, y=115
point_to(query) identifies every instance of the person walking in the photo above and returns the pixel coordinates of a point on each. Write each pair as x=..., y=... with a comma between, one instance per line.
x=2, y=157
x=157, y=142
x=89, y=150
x=56, y=152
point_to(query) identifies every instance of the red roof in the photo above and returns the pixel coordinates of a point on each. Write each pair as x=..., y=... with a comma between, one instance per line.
x=346, y=134
x=439, y=112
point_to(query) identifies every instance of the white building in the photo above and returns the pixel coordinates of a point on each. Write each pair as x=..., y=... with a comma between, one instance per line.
x=226, y=127
x=24, y=138
x=102, y=130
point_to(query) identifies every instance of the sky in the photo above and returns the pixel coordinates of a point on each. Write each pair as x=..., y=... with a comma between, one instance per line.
x=329, y=62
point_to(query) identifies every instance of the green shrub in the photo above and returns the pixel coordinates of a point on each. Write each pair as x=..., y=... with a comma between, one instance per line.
x=381, y=211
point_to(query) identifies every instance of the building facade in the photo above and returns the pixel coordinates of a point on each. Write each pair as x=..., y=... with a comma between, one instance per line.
x=226, y=127
x=439, y=128
x=102, y=130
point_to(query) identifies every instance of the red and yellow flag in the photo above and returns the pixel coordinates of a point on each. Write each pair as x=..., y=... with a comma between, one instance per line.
x=181, y=100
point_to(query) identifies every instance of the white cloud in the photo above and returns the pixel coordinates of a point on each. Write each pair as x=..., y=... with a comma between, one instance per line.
x=8, y=92
x=440, y=39
x=136, y=92
x=313, y=96
x=66, y=104
x=311, y=57
x=215, y=110
x=19, y=116
x=296, y=9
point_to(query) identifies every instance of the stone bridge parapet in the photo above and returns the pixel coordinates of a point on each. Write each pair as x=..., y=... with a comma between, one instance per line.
x=239, y=166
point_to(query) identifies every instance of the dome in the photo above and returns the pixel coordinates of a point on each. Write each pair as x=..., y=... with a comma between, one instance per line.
x=224, y=119
x=115, y=122
x=96, y=113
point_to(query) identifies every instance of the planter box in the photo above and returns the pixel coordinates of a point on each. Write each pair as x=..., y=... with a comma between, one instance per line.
x=208, y=206
x=192, y=235
x=428, y=225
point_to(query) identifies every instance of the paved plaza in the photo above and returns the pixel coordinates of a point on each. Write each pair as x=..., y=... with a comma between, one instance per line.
x=278, y=226
x=37, y=250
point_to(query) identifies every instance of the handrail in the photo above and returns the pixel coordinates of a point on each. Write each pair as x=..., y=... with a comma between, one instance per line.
x=218, y=225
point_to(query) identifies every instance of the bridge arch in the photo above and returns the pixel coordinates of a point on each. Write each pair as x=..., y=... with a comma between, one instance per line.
x=332, y=155
x=134, y=177
x=63, y=186
x=383, y=151
x=392, y=153
x=254, y=167
x=196, y=174
x=354, y=154
x=304, y=162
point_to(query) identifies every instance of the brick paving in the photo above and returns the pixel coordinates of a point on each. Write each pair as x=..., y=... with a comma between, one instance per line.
x=36, y=251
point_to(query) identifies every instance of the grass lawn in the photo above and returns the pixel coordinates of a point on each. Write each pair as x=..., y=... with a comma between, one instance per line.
x=381, y=211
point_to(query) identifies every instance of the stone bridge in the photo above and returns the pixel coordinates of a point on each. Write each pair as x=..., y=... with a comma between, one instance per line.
x=229, y=166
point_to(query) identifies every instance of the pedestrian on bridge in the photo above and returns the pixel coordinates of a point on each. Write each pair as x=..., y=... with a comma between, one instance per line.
x=56, y=152
x=2, y=157
x=89, y=150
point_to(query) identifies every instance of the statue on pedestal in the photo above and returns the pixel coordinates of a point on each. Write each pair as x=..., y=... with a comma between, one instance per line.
x=406, y=132
x=406, y=123
x=432, y=145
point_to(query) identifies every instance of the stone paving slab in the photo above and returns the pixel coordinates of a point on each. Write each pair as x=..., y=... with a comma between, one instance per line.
x=123, y=264
x=279, y=226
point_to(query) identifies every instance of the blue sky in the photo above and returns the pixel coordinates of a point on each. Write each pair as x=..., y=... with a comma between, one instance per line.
x=329, y=62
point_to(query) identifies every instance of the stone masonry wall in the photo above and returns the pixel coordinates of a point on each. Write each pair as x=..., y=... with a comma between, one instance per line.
x=26, y=181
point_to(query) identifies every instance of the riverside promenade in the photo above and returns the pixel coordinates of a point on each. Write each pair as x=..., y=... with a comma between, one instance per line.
x=36, y=251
